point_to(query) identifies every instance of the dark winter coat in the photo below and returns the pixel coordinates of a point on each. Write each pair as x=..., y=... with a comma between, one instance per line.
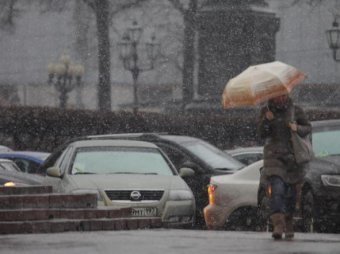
x=278, y=153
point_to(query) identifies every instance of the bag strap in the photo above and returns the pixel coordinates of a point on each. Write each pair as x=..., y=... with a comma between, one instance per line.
x=292, y=114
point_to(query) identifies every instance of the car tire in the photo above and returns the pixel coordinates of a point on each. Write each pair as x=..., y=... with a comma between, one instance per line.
x=309, y=221
x=242, y=219
x=263, y=212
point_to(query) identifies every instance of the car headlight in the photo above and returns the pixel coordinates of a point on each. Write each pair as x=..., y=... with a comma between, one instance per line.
x=331, y=180
x=177, y=195
x=88, y=191
x=9, y=184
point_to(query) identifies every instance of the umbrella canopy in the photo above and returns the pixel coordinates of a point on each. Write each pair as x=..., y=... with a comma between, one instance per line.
x=260, y=83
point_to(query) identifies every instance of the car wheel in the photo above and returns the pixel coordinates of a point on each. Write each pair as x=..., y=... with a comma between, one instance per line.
x=309, y=222
x=263, y=212
x=243, y=219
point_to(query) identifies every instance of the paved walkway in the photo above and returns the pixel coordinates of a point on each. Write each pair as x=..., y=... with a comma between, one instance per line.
x=167, y=241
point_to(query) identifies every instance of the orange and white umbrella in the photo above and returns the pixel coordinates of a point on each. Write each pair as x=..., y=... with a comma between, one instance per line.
x=260, y=83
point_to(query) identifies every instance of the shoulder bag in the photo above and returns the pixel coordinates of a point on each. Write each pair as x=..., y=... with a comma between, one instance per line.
x=302, y=146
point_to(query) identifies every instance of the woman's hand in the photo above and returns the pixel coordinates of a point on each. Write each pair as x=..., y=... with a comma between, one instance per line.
x=269, y=115
x=292, y=126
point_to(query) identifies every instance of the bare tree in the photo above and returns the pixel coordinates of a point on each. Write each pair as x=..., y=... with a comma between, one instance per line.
x=7, y=13
x=104, y=10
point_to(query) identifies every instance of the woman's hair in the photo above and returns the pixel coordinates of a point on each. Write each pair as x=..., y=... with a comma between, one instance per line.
x=273, y=104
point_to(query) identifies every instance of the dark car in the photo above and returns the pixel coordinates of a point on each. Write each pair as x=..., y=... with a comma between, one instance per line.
x=187, y=152
x=320, y=202
x=27, y=161
x=11, y=175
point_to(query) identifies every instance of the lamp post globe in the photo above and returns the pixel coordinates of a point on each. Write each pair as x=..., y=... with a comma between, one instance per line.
x=333, y=39
x=65, y=76
x=128, y=48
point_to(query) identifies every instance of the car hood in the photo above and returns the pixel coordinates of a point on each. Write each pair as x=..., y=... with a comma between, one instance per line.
x=104, y=182
x=330, y=164
x=22, y=178
x=335, y=159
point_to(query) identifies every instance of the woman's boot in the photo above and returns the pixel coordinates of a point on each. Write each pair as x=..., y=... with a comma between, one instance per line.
x=278, y=220
x=289, y=227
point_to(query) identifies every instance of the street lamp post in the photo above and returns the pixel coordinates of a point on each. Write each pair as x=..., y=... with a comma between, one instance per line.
x=333, y=39
x=129, y=54
x=65, y=76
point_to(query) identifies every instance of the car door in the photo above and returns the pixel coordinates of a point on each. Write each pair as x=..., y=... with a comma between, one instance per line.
x=61, y=162
x=197, y=182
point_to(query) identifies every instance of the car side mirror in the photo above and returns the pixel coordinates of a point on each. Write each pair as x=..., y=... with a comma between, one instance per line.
x=189, y=164
x=54, y=172
x=186, y=172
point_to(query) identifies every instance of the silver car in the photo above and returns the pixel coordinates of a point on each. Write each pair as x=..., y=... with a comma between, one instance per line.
x=125, y=173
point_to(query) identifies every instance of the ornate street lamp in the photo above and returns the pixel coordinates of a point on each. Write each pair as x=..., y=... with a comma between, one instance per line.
x=333, y=38
x=129, y=55
x=65, y=76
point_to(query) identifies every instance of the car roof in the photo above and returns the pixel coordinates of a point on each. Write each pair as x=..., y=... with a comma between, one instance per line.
x=145, y=135
x=37, y=156
x=115, y=142
x=251, y=149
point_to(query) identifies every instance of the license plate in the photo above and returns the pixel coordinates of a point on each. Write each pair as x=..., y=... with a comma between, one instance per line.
x=144, y=212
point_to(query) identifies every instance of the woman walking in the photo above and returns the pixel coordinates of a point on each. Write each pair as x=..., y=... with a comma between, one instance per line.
x=281, y=172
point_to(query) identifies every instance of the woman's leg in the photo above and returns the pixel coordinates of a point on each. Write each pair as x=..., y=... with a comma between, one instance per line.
x=278, y=195
x=291, y=197
x=278, y=205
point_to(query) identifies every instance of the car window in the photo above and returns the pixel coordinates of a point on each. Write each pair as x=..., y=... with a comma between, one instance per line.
x=326, y=142
x=212, y=156
x=9, y=167
x=32, y=167
x=22, y=164
x=248, y=159
x=176, y=157
x=117, y=160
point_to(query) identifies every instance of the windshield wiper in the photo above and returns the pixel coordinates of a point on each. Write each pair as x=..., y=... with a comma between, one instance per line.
x=84, y=173
x=133, y=173
x=228, y=169
x=118, y=173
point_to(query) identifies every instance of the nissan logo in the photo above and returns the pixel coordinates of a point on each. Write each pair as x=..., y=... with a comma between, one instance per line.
x=135, y=195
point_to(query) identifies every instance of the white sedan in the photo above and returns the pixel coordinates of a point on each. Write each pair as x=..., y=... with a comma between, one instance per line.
x=233, y=199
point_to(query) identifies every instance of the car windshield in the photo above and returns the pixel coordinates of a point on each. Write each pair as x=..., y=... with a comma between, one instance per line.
x=117, y=160
x=326, y=142
x=213, y=156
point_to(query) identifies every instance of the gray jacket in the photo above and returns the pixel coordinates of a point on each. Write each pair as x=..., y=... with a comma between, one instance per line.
x=278, y=153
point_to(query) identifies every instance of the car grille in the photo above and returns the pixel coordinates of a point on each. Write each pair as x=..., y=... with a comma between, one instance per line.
x=146, y=195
